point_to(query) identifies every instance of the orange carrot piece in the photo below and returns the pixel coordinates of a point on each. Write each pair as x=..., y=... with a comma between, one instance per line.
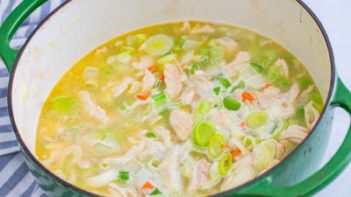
x=235, y=153
x=247, y=96
x=148, y=185
x=242, y=125
x=152, y=68
x=162, y=78
x=142, y=96
x=267, y=85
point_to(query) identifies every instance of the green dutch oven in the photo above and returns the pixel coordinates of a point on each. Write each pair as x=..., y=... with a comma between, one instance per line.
x=78, y=26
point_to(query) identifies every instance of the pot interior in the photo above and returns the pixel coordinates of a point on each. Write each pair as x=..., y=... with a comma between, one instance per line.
x=82, y=25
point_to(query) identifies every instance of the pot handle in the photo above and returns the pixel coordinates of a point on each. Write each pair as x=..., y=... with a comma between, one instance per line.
x=10, y=26
x=324, y=176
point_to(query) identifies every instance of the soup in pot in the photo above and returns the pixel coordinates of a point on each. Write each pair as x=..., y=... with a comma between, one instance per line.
x=176, y=109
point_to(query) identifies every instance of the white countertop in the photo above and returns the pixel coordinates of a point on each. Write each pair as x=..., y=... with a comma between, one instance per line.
x=336, y=18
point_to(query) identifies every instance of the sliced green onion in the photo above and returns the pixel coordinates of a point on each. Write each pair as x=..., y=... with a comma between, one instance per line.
x=224, y=82
x=248, y=141
x=159, y=99
x=257, y=67
x=123, y=176
x=155, y=192
x=202, y=133
x=231, y=104
x=256, y=119
x=217, y=90
x=64, y=103
x=158, y=45
x=225, y=164
x=216, y=145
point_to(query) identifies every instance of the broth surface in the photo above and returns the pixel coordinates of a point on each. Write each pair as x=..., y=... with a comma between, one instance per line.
x=176, y=109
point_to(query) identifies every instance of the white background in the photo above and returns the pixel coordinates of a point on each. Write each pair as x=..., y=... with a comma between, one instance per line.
x=336, y=18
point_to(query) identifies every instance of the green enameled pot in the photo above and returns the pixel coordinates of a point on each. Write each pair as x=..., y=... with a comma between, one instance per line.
x=78, y=26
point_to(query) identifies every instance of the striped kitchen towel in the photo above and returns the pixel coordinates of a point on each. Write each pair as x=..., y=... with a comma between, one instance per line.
x=15, y=179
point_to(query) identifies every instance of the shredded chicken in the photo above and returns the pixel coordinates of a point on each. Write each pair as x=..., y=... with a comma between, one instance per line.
x=202, y=29
x=241, y=58
x=200, y=175
x=283, y=66
x=148, y=81
x=145, y=61
x=182, y=123
x=169, y=170
x=173, y=80
x=311, y=115
x=294, y=133
x=93, y=109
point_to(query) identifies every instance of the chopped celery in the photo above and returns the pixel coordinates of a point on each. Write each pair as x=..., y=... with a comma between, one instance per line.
x=240, y=85
x=225, y=164
x=257, y=67
x=170, y=58
x=231, y=104
x=317, y=100
x=202, y=133
x=155, y=192
x=150, y=134
x=217, y=90
x=179, y=45
x=300, y=115
x=159, y=99
x=216, y=145
x=165, y=113
x=123, y=176
x=256, y=119
x=155, y=163
x=216, y=55
x=275, y=76
x=64, y=104
x=305, y=81
x=193, y=68
x=158, y=45
x=224, y=82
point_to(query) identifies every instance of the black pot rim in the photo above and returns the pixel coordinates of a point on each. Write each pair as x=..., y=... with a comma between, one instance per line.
x=85, y=192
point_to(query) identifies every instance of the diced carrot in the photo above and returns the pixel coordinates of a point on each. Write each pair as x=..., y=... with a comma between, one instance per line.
x=242, y=125
x=142, y=96
x=152, y=68
x=148, y=185
x=267, y=85
x=247, y=96
x=235, y=153
x=162, y=77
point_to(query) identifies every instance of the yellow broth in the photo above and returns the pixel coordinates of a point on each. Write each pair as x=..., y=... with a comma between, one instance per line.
x=176, y=109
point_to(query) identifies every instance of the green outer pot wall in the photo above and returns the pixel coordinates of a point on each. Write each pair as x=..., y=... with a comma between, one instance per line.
x=301, y=163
